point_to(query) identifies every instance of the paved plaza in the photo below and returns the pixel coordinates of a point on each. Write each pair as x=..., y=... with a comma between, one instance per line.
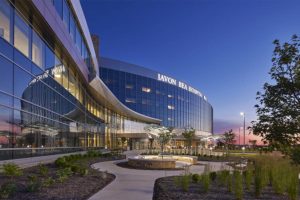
x=131, y=184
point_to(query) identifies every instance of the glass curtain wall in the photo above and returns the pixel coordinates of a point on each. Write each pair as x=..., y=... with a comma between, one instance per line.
x=43, y=102
x=176, y=107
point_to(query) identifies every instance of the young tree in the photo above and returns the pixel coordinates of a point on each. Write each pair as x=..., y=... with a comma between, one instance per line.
x=123, y=140
x=228, y=139
x=189, y=135
x=161, y=133
x=278, y=107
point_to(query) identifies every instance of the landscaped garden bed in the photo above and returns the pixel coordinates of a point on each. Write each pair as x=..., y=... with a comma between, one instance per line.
x=126, y=165
x=264, y=178
x=70, y=177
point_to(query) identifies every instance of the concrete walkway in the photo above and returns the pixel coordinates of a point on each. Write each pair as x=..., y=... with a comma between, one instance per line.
x=131, y=184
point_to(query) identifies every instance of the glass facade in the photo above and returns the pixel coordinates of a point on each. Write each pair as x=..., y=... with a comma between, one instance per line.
x=63, y=9
x=176, y=107
x=45, y=103
x=40, y=102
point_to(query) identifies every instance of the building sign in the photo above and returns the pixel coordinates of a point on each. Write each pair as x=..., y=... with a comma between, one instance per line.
x=172, y=81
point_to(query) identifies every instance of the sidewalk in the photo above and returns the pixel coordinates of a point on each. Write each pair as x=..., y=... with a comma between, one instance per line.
x=133, y=184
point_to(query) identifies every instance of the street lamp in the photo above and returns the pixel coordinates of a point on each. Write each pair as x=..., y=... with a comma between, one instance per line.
x=243, y=114
x=240, y=136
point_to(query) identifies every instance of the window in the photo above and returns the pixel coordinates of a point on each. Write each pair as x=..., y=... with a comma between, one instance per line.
x=66, y=13
x=129, y=100
x=21, y=35
x=170, y=96
x=58, y=70
x=58, y=7
x=5, y=20
x=49, y=58
x=65, y=80
x=145, y=89
x=72, y=28
x=78, y=39
x=170, y=107
x=37, y=50
x=72, y=83
x=6, y=75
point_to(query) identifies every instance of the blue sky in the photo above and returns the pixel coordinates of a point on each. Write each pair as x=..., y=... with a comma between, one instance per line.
x=221, y=47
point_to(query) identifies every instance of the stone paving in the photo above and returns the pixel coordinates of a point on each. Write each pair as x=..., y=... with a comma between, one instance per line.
x=131, y=184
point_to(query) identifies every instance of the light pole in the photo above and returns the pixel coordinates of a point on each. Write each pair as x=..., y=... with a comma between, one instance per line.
x=240, y=135
x=243, y=114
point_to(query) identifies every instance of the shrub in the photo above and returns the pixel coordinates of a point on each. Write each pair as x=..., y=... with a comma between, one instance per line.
x=33, y=184
x=292, y=184
x=222, y=177
x=238, y=185
x=93, y=153
x=258, y=179
x=83, y=171
x=7, y=189
x=12, y=170
x=205, y=180
x=196, y=178
x=75, y=168
x=63, y=174
x=43, y=170
x=177, y=181
x=48, y=182
x=295, y=155
x=229, y=182
x=248, y=175
x=183, y=182
x=278, y=180
x=61, y=162
x=213, y=176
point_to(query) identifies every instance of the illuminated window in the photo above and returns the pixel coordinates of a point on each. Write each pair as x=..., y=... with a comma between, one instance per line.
x=145, y=89
x=21, y=34
x=5, y=20
x=170, y=107
x=128, y=86
x=170, y=96
x=129, y=100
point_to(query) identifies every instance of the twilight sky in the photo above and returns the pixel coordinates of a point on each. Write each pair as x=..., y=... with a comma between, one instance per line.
x=221, y=47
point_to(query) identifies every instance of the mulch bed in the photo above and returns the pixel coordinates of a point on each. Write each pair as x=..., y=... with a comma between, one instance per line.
x=165, y=189
x=126, y=165
x=76, y=187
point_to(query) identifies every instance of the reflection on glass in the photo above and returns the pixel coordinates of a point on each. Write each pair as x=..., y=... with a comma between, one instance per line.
x=5, y=20
x=72, y=28
x=66, y=14
x=49, y=58
x=6, y=137
x=37, y=50
x=21, y=35
x=78, y=39
x=6, y=75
